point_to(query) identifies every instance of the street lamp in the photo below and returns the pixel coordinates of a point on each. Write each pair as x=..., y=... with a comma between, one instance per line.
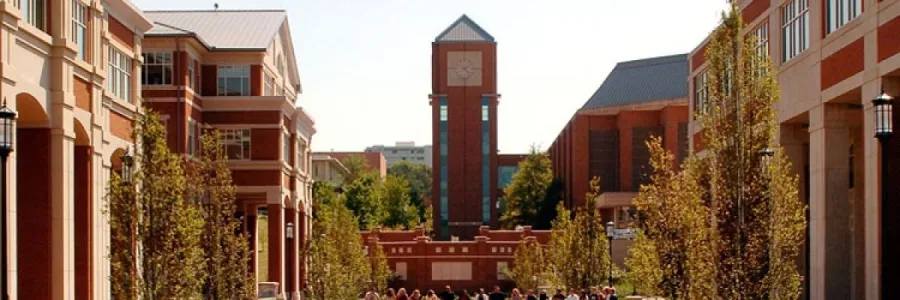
x=7, y=128
x=289, y=232
x=884, y=129
x=127, y=165
x=610, y=232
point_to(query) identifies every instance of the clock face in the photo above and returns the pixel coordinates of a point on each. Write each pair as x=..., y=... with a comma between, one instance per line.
x=464, y=68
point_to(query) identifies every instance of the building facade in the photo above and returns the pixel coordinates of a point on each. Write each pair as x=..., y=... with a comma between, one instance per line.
x=606, y=138
x=68, y=70
x=235, y=72
x=404, y=151
x=831, y=58
x=328, y=169
x=421, y=263
x=375, y=160
x=464, y=126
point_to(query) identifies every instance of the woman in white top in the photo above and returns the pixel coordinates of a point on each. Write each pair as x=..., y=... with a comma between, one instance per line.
x=572, y=295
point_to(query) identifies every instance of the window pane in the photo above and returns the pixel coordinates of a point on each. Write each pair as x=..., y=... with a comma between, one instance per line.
x=245, y=87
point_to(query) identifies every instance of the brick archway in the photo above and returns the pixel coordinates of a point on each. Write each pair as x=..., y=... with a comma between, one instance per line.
x=33, y=199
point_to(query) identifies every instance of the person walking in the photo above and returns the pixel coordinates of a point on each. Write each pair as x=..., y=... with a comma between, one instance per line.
x=371, y=295
x=497, y=294
x=612, y=294
x=416, y=295
x=531, y=295
x=447, y=294
x=389, y=294
x=572, y=295
x=543, y=295
x=559, y=295
x=431, y=295
x=481, y=295
x=401, y=294
x=465, y=295
x=516, y=295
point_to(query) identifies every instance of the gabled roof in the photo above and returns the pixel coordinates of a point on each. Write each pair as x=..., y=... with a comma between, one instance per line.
x=644, y=80
x=464, y=30
x=220, y=29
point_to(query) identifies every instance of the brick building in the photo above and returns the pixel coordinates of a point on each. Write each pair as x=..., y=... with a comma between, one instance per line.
x=68, y=70
x=375, y=160
x=235, y=71
x=606, y=137
x=421, y=263
x=831, y=58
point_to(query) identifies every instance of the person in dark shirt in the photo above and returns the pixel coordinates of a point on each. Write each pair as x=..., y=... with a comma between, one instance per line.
x=543, y=295
x=497, y=294
x=612, y=294
x=559, y=295
x=447, y=294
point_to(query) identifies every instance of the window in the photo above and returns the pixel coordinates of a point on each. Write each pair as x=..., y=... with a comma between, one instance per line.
x=840, y=12
x=236, y=143
x=301, y=155
x=157, y=68
x=794, y=28
x=443, y=112
x=485, y=163
x=270, y=86
x=234, y=81
x=701, y=103
x=401, y=270
x=79, y=28
x=286, y=147
x=761, y=33
x=444, y=186
x=193, y=139
x=34, y=12
x=192, y=72
x=624, y=217
x=119, y=80
x=484, y=112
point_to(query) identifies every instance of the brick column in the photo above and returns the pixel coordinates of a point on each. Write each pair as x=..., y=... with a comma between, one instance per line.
x=83, y=223
x=829, y=203
x=292, y=252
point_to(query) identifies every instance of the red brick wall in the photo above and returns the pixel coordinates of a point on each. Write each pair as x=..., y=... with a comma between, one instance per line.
x=121, y=33
x=120, y=126
x=889, y=39
x=82, y=90
x=843, y=64
x=275, y=243
x=698, y=58
x=264, y=143
x=33, y=215
x=242, y=117
x=256, y=81
x=256, y=177
x=210, y=80
x=754, y=10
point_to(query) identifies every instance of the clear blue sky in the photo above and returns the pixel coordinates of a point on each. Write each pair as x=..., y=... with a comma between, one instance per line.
x=365, y=64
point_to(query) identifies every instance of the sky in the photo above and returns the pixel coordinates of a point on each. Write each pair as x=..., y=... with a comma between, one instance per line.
x=365, y=65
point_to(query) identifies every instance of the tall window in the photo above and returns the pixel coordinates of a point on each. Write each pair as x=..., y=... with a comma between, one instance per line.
x=193, y=139
x=191, y=73
x=443, y=112
x=840, y=12
x=761, y=33
x=286, y=147
x=444, y=188
x=301, y=156
x=119, y=80
x=79, y=28
x=270, y=86
x=794, y=28
x=34, y=12
x=485, y=162
x=701, y=91
x=234, y=81
x=157, y=68
x=236, y=143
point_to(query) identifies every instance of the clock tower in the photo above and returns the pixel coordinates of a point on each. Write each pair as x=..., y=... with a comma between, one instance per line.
x=464, y=130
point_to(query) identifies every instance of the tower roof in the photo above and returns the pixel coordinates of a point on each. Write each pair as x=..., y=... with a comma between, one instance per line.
x=464, y=30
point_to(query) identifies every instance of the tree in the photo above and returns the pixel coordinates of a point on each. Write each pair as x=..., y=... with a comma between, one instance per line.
x=527, y=270
x=400, y=213
x=338, y=266
x=226, y=248
x=578, y=248
x=357, y=167
x=419, y=178
x=750, y=203
x=155, y=232
x=363, y=199
x=526, y=193
x=381, y=273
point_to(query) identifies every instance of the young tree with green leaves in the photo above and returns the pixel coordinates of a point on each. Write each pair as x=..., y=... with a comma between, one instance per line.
x=357, y=166
x=227, y=249
x=400, y=213
x=156, y=233
x=381, y=272
x=744, y=180
x=578, y=248
x=338, y=266
x=419, y=178
x=526, y=194
x=528, y=264
x=363, y=199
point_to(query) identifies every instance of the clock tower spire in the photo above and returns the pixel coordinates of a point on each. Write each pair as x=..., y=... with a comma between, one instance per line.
x=464, y=130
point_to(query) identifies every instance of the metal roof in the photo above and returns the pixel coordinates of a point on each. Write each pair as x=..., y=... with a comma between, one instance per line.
x=464, y=30
x=643, y=80
x=223, y=29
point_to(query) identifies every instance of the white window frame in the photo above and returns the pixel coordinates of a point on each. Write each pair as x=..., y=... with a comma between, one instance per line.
x=286, y=147
x=193, y=137
x=761, y=32
x=238, y=137
x=701, y=93
x=79, y=28
x=119, y=81
x=840, y=12
x=794, y=28
x=191, y=72
x=159, y=59
x=34, y=12
x=227, y=72
x=270, y=86
x=444, y=113
x=301, y=155
x=485, y=112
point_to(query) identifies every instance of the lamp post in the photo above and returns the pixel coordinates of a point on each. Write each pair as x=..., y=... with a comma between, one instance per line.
x=127, y=165
x=610, y=232
x=7, y=127
x=884, y=129
x=289, y=232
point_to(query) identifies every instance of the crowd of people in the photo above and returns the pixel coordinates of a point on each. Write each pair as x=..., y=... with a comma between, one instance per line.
x=595, y=293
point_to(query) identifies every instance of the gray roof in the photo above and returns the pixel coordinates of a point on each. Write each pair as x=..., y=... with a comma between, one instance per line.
x=223, y=29
x=643, y=80
x=464, y=30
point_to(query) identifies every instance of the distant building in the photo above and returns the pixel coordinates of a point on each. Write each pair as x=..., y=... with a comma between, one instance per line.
x=404, y=151
x=328, y=168
x=375, y=160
